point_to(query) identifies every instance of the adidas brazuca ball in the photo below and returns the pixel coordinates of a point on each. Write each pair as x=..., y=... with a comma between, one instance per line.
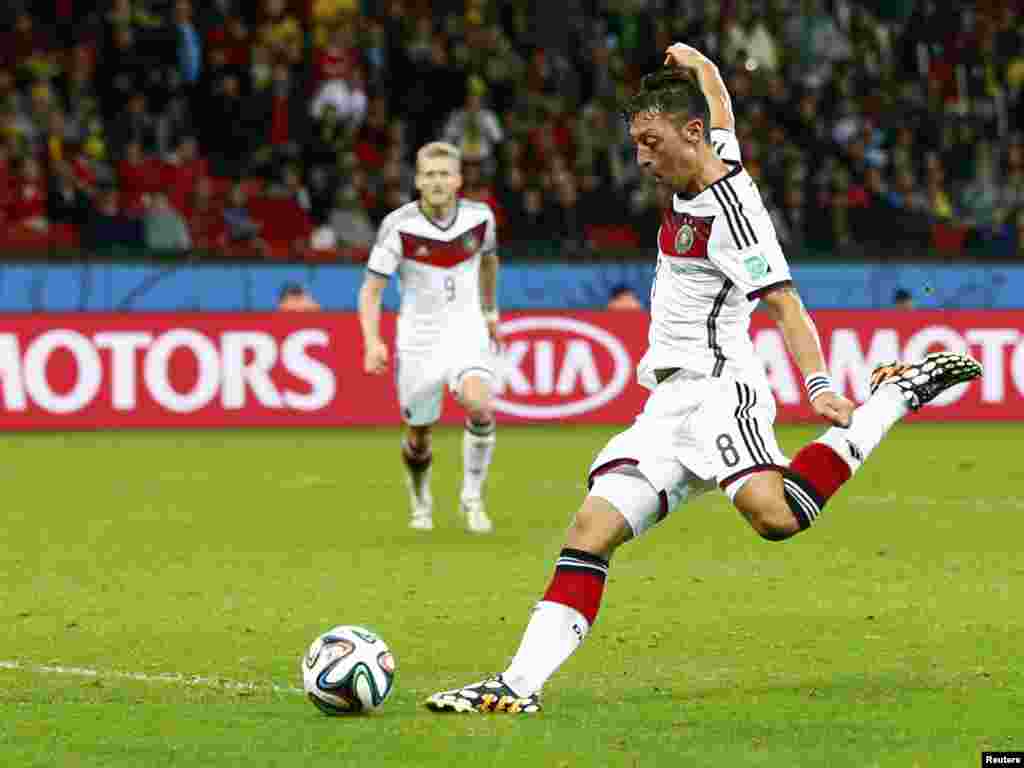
x=348, y=670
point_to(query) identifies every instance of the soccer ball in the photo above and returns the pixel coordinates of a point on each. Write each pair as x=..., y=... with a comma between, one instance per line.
x=348, y=670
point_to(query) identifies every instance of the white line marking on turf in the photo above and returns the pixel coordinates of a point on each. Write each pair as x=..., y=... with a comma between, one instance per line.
x=144, y=677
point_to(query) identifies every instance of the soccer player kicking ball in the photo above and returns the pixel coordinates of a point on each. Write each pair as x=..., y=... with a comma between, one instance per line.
x=708, y=420
x=444, y=250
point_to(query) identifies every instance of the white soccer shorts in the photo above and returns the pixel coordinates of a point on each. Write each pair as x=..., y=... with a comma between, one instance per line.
x=422, y=375
x=695, y=432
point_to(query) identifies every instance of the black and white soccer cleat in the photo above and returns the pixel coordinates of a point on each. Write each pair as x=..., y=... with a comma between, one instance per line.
x=490, y=695
x=924, y=381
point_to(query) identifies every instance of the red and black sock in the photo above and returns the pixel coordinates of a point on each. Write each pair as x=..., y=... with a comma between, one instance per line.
x=578, y=582
x=811, y=479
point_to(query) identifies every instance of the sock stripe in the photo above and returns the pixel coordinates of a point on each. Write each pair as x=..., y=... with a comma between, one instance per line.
x=562, y=565
x=804, y=516
x=806, y=503
x=584, y=556
x=582, y=563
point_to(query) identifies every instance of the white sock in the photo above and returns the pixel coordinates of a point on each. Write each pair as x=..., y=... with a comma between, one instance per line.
x=870, y=422
x=477, y=450
x=555, y=631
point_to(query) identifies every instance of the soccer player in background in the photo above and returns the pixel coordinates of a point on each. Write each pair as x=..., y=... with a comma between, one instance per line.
x=444, y=250
x=709, y=418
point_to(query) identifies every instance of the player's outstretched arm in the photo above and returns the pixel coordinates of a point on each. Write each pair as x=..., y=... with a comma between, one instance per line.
x=375, y=354
x=710, y=80
x=785, y=307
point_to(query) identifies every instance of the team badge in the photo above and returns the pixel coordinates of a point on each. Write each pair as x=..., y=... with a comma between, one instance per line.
x=757, y=266
x=470, y=242
x=684, y=238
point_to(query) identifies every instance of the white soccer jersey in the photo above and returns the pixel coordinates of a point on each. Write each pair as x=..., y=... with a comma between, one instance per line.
x=717, y=254
x=438, y=269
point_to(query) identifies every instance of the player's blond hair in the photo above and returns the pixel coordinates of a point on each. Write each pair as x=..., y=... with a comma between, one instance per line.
x=438, y=149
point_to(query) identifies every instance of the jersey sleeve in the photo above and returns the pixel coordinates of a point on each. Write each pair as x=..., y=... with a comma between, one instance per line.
x=746, y=249
x=386, y=251
x=725, y=145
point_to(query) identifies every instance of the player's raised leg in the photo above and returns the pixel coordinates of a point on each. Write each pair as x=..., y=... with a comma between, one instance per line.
x=779, y=506
x=478, y=440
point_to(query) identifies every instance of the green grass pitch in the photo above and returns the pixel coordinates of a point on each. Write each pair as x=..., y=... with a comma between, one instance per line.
x=190, y=571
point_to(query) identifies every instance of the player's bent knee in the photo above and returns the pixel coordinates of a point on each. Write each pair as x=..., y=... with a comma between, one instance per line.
x=772, y=521
x=763, y=503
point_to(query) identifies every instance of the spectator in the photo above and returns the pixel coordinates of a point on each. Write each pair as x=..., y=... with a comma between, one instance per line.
x=190, y=44
x=165, y=229
x=1011, y=193
x=295, y=298
x=815, y=39
x=231, y=135
x=533, y=222
x=565, y=216
x=344, y=96
x=476, y=185
x=67, y=198
x=748, y=42
x=28, y=203
x=242, y=230
x=351, y=224
x=137, y=176
x=109, y=231
x=622, y=298
x=181, y=173
x=135, y=125
x=292, y=188
x=281, y=111
x=205, y=220
x=474, y=128
x=902, y=299
x=281, y=32
x=120, y=71
x=980, y=198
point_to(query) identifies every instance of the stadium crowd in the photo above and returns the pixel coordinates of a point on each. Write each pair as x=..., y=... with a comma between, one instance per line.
x=286, y=128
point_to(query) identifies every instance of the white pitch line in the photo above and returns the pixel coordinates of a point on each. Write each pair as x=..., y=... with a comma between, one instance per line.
x=160, y=677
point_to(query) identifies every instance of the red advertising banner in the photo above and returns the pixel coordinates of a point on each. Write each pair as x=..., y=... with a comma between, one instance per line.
x=99, y=371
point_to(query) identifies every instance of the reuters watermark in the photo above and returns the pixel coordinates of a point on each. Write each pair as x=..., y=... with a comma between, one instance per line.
x=1002, y=758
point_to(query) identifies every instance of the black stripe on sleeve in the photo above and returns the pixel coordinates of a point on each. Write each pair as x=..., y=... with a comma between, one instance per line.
x=378, y=274
x=741, y=216
x=728, y=215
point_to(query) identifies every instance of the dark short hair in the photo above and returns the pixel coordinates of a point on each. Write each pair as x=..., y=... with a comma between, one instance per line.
x=671, y=91
x=291, y=289
x=902, y=294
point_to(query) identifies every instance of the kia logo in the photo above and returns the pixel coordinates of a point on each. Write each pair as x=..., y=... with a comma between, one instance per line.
x=555, y=367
